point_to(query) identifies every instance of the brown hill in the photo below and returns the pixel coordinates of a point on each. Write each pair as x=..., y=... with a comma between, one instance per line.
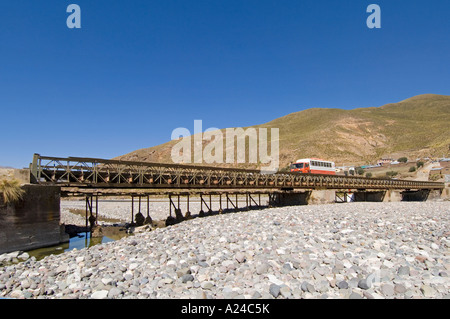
x=416, y=127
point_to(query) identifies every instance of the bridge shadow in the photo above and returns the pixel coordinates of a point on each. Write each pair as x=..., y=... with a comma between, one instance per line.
x=179, y=218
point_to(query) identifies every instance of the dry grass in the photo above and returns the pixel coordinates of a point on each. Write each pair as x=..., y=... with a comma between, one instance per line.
x=11, y=190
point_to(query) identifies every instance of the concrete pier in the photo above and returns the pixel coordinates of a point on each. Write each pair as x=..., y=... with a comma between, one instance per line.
x=392, y=196
x=322, y=197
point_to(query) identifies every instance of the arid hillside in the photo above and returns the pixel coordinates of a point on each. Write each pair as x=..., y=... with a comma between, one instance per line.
x=416, y=127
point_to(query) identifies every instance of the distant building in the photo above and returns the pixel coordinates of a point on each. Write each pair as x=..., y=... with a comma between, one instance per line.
x=370, y=166
x=384, y=161
x=436, y=172
x=445, y=165
x=445, y=162
x=443, y=169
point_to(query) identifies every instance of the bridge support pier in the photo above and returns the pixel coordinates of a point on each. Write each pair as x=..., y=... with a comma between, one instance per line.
x=139, y=219
x=322, y=197
x=445, y=193
x=178, y=215
x=392, y=196
x=188, y=212
x=250, y=199
x=202, y=201
x=148, y=219
x=91, y=221
x=229, y=201
x=436, y=194
x=220, y=204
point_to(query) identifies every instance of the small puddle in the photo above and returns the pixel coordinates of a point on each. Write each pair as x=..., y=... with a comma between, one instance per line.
x=80, y=241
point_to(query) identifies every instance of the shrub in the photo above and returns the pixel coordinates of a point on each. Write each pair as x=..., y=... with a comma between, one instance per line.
x=412, y=169
x=420, y=164
x=391, y=174
x=403, y=160
x=285, y=169
x=12, y=192
x=434, y=177
x=368, y=175
x=359, y=171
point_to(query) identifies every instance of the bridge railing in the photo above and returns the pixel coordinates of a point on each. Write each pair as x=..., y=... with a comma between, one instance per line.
x=90, y=172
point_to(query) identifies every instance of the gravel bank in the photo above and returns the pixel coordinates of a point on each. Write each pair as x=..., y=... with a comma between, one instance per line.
x=352, y=250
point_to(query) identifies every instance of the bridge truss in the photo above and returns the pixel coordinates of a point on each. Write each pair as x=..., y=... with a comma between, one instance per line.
x=101, y=173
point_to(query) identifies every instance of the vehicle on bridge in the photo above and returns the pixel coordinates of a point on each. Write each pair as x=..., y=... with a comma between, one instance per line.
x=314, y=166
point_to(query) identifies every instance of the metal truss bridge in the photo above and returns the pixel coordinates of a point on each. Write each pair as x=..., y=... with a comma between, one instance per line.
x=240, y=188
x=84, y=173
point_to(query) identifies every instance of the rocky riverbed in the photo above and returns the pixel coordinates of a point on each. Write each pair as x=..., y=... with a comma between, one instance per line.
x=351, y=250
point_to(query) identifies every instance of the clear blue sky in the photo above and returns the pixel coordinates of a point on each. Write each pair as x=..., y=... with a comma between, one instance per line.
x=138, y=69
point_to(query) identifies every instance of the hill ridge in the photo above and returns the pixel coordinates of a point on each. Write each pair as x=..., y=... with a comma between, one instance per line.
x=415, y=127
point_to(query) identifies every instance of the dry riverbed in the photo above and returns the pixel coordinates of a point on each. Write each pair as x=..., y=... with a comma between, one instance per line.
x=351, y=250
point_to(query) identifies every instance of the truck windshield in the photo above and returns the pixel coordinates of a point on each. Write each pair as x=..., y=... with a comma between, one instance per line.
x=297, y=165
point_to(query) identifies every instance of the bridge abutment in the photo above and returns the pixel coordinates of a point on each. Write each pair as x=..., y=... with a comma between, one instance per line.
x=33, y=222
x=446, y=192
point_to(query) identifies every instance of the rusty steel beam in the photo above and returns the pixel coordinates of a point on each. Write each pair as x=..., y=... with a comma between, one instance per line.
x=100, y=173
